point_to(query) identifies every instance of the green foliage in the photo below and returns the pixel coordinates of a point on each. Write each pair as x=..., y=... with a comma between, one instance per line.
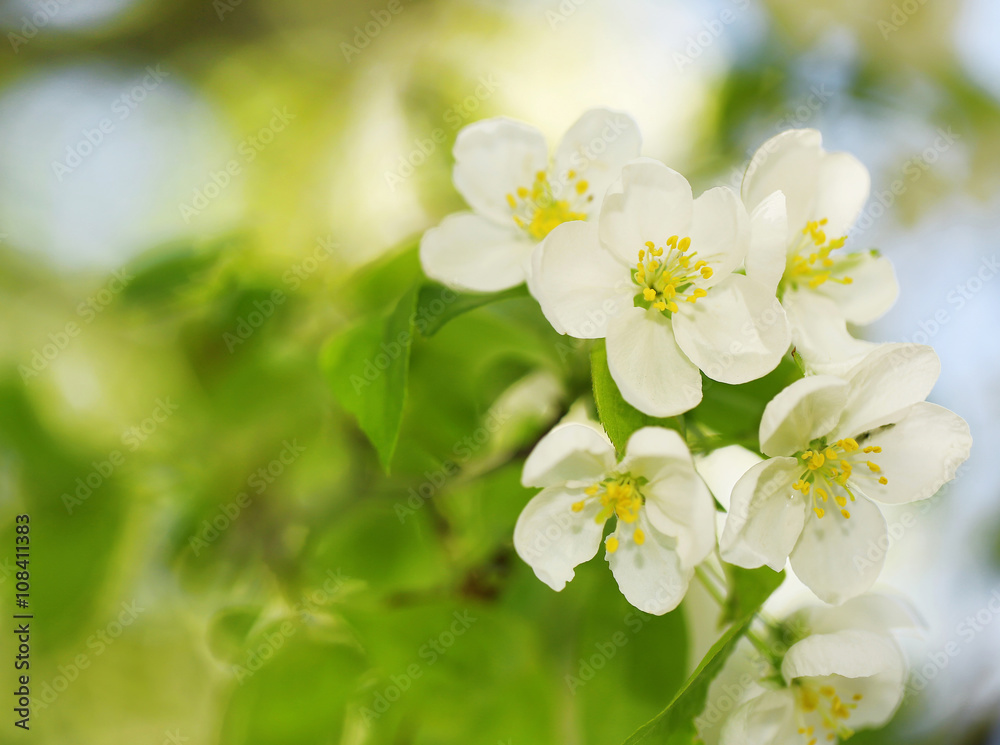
x=368, y=366
x=619, y=418
x=437, y=304
x=675, y=724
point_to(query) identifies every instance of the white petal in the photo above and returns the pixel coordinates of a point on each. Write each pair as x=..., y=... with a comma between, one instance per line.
x=765, y=517
x=720, y=232
x=494, y=157
x=552, y=539
x=853, y=663
x=651, y=371
x=677, y=501
x=820, y=335
x=768, y=719
x=597, y=147
x=570, y=453
x=650, y=576
x=656, y=451
x=768, y=252
x=722, y=468
x=788, y=162
x=468, y=252
x=735, y=684
x=921, y=452
x=875, y=612
x=834, y=556
x=872, y=291
x=679, y=505
x=889, y=379
x=579, y=285
x=737, y=333
x=842, y=188
x=537, y=289
x=805, y=410
x=850, y=653
x=654, y=204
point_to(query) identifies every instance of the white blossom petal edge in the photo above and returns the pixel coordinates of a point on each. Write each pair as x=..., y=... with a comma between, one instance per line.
x=656, y=278
x=664, y=515
x=518, y=195
x=837, y=446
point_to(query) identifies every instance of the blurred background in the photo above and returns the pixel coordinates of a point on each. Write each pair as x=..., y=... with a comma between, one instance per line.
x=194, y=196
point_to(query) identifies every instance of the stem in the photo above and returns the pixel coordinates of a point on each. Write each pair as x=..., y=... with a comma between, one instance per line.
x=708, y=579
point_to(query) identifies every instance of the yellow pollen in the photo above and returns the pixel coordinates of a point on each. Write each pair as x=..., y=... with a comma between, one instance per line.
x=665, y=275
x=810, y=260
x=828, y=471
x=577, y=506
x=639, y=537
x=538, y=210
x=611, y=544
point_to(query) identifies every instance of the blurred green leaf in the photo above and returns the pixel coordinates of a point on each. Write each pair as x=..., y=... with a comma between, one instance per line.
x=438, y=304
x=675, y=724
x=746, y=588
x=619, y=418
x=290, y=689
x=368, y=368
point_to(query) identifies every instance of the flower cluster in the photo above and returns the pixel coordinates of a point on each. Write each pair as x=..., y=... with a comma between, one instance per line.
x=722, y=285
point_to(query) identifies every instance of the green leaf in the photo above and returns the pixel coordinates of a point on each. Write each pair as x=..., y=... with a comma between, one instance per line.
x=619, y=418
x=437, y=304
x=675, y=724
x=748, y=589
x=368, y=367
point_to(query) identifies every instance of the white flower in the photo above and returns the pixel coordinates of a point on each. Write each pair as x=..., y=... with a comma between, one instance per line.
x=842, y=672
x=803, y=201
x=664, y=514
x=836, y=444
x=517, y=196
x=655, y=277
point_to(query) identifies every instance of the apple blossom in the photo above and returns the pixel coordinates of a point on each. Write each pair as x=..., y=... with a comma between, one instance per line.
x=518, y=196
x=656, y=277
x=838, y=445
x=837, y=670
x=664, y=515
x=803, y=201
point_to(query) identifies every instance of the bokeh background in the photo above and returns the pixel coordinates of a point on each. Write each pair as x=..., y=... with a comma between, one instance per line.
x=195, y=195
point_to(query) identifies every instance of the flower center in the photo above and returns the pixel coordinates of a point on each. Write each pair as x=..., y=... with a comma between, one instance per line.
x=619, y=496
x=538, y=210
x=811, y=262
x=828, y=468
x=668, y=279
x=823, y=703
